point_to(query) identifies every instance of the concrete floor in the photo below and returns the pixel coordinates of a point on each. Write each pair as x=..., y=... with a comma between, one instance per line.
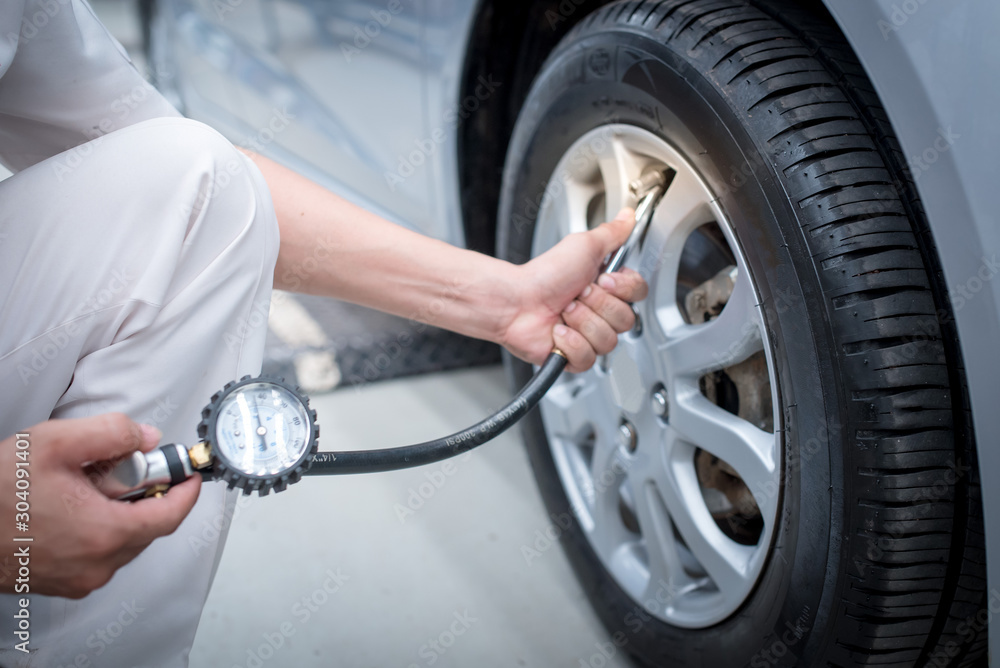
x=339, y=572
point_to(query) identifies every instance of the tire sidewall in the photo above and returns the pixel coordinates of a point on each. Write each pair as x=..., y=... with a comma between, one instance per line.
x=621, y=75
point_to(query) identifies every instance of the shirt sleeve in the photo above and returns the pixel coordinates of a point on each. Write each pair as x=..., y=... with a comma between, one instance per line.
x=68, y=82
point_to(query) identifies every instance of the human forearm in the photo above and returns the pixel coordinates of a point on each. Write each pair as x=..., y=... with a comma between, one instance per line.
x=331, y=247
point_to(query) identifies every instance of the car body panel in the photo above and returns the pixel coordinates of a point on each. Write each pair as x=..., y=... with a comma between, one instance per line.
x=304, y=81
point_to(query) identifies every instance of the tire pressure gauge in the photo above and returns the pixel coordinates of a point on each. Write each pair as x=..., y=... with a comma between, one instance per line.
x=256, y=434
x=261, y=433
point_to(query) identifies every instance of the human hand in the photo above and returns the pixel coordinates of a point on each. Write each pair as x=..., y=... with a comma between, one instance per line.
x=80, y=536
x=559, y=303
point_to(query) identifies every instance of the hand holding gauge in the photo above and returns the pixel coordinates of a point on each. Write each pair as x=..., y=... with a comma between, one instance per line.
x=260, y=434
x=257, y=434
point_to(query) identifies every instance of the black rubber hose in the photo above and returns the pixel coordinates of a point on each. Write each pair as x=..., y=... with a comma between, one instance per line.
x=391, y=459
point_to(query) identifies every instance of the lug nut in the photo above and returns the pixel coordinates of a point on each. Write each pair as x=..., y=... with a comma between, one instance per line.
x=661, y=405
x=627, y=438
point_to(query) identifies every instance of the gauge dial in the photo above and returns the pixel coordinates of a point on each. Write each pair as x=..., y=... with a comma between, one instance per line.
x=262, y=429
x=261, y=432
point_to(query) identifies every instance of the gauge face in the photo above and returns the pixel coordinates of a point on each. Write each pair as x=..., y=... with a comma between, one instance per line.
x=262, y=429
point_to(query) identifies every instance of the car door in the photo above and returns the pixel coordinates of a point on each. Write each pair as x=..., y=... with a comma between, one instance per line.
x=333, y=89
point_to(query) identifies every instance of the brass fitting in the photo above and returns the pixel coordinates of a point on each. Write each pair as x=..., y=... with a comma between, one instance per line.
x=200, y=455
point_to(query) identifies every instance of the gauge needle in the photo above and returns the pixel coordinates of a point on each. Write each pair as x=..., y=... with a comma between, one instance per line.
x=261, y=430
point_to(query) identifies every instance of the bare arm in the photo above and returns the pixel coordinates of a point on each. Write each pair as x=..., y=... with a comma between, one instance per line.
x=331, y=247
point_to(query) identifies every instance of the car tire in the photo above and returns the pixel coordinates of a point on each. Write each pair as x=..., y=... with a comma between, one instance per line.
x=875, y=554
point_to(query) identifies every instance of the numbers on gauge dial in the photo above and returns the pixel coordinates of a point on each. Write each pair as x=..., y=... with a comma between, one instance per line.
x=262, y=429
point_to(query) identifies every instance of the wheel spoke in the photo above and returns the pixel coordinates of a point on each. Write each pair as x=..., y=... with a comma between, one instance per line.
x=666, y=571
x=726, y=561
x=749, y=450
x=733, y=336
x=575, y=405
x=618, y=166
x=607, y=532
x=563, y=211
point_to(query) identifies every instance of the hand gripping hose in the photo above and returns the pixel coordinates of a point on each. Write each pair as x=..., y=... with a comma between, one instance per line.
x=651, y=186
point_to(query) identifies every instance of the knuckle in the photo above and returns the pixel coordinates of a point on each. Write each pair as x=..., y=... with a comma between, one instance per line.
x=122, y=430
x=628, y=319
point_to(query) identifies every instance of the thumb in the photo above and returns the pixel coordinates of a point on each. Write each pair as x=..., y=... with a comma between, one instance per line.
x=611, y=235
x=97, y=438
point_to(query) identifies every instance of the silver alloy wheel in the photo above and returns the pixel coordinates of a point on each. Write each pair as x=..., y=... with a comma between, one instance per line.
x=672, y=556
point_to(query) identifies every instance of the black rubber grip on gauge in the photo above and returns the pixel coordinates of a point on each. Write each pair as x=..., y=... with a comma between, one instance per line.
x=174, y=465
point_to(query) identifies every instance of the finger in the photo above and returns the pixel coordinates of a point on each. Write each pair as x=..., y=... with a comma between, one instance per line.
x=599, y=334
x=608, y=237
x=580, y=355
x=625, y=284
x=617, y=313
x=98, y=438
x=148, y=519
